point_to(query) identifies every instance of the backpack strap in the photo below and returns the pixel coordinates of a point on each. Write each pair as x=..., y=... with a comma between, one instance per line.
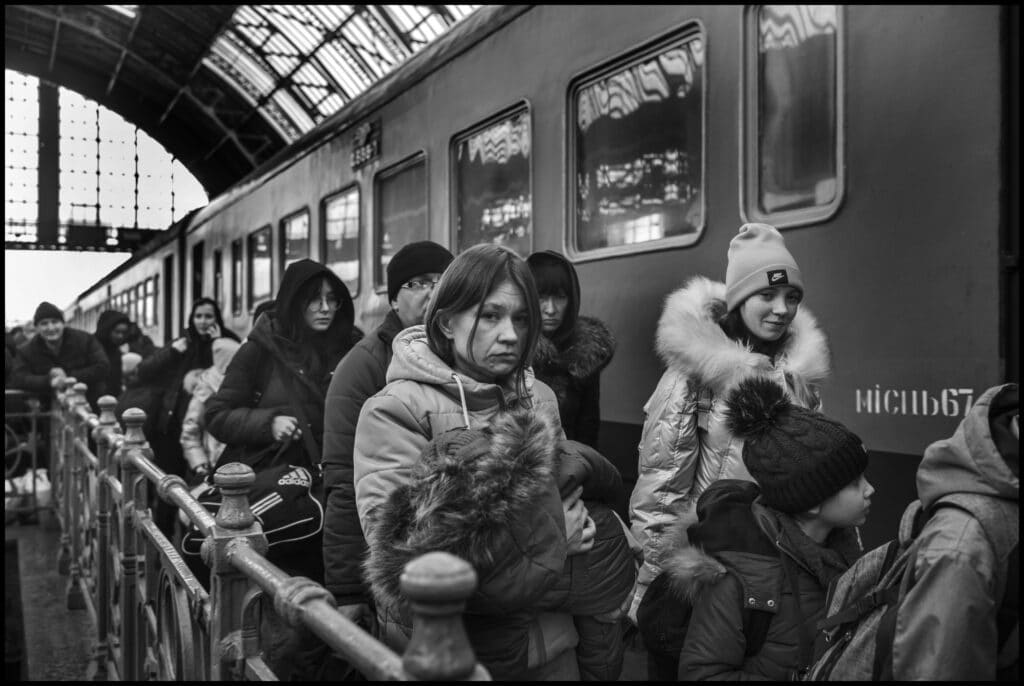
x=868, y=602
x=806, y=632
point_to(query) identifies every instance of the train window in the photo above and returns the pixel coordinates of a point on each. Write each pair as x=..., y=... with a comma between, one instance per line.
x=236, y=277
x=140, y=302
x=218, y=278
x=149, y=319
x=197, y=270
x=492, y=189
x=259, y=266
x=341, y=236
x=637, y=150
x=401, y=201
x=793, y=114
x=294, y=238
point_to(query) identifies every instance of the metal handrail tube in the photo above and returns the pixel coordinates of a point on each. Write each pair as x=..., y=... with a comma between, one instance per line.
x=172, y=489
x=367, y=654
x=159, y=593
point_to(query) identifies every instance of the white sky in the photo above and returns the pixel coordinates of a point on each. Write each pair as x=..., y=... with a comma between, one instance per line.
x=32, y=276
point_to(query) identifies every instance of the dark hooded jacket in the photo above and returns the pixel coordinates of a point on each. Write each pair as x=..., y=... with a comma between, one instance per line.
x=360, y=374
x=571, y=359
x=741, y=555
x=273, y=374
x=107, y=321
x=966, y=548
x=490, y=497
x=80, y=355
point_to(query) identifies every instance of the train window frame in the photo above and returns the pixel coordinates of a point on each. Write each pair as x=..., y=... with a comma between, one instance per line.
x=348, y=188
x=283, y=239
x=217, y=265
x=685, y=32
x=380, y=283
x=198, y=274
x=519, y=106
x=750, y=160
x=249, y=272
x=237, y=282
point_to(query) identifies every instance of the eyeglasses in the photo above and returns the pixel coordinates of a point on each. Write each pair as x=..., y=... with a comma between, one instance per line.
x=420, y=284
x=332, y=303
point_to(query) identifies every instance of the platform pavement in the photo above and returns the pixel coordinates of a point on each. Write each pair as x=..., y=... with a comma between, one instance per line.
x=57, y=642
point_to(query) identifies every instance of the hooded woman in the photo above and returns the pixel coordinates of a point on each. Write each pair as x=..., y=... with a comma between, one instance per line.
x=269, y=409
x=572, y=350
x=711, y=337
x=165, y=371
x=111, y=331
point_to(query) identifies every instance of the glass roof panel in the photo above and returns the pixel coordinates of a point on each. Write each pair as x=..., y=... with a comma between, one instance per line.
x=301, y=63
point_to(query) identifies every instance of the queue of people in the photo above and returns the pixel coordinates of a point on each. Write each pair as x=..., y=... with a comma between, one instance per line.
x=468, y=422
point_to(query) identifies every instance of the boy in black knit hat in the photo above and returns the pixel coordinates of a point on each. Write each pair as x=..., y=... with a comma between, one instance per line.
x=761, y=556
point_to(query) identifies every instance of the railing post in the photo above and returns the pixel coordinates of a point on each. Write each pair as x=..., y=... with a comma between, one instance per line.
x=104, y=435
x=131, y=632
x=76, y=496
x=33, y=408
x=67, y=490
x=236, y=525
x=437, y=585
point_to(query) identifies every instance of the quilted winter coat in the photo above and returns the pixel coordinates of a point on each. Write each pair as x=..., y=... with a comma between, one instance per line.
x=425, y=398
x=685, y=445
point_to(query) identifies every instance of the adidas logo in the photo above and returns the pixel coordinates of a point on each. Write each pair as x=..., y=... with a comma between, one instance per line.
x=296, y=477
x=777, y=276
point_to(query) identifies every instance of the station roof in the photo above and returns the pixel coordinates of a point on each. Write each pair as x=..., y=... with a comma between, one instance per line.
x=222, y=87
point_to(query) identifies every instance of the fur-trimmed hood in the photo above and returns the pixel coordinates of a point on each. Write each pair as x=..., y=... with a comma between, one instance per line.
x=589, y=351
x=689, y=338
x=475, y=494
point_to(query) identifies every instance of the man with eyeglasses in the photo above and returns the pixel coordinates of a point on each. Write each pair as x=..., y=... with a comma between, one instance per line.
x=412, y=274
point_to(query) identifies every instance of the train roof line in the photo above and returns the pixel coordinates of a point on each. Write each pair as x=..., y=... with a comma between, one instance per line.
x=457, y=40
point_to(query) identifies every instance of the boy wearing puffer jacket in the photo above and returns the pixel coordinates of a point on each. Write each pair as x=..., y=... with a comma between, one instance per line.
x=773, y=546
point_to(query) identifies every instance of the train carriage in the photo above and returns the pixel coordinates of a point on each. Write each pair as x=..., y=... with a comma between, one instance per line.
x=636, y=139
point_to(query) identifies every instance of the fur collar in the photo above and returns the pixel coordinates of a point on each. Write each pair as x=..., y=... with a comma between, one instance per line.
x=463, y=502
x=590, y=350
x=689, y=339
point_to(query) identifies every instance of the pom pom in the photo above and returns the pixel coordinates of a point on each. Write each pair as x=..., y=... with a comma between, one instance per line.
x=754, y=406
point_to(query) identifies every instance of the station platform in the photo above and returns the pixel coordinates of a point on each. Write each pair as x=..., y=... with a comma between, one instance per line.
x=44, y=640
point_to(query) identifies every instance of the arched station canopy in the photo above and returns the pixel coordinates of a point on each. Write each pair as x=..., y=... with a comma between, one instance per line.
x=221, y=87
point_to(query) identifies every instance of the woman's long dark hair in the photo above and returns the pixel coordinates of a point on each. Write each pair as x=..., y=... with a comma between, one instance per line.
x=200, y=348
x=733, y=326
x=466, y=283
x=313, y=348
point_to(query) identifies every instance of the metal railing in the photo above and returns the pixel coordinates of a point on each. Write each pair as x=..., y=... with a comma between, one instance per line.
x=153, y=618
x=22, y=420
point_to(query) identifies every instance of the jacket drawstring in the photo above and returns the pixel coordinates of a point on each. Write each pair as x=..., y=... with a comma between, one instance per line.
x=462, y=397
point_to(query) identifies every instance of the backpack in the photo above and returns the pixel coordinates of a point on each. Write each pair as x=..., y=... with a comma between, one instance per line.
x=859, y=628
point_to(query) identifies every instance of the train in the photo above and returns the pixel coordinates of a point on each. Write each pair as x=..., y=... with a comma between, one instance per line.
x=881, y=140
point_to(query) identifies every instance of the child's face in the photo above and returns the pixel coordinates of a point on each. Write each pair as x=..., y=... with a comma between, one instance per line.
x=850, y=506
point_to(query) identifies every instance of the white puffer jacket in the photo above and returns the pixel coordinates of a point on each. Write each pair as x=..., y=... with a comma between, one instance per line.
x=685, y=445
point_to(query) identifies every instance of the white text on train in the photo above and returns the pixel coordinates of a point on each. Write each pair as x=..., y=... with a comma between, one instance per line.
x=949, y=402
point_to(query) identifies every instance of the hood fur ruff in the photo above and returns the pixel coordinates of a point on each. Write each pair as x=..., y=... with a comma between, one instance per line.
x=591, y=350
x=463, y=502
x=689, y=338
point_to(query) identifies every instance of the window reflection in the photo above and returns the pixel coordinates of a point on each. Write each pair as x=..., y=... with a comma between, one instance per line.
x=295, y=232
x=797, y=106
x=638, y=149
x=341, y=236
x=259, y=266
x=402, y=218
x=493, y=198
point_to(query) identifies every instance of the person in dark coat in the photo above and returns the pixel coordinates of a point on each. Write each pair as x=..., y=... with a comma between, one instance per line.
x=775, y=545
x=269, y=410
x=572, y=350
x=59, y=351
x=139, y=342
x=165, y=371
x=412, y=273
x=112, y=331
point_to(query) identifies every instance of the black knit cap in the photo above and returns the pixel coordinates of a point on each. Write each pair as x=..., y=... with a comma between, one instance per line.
x=800, y=458
x=421, y=257
x=47, y=311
